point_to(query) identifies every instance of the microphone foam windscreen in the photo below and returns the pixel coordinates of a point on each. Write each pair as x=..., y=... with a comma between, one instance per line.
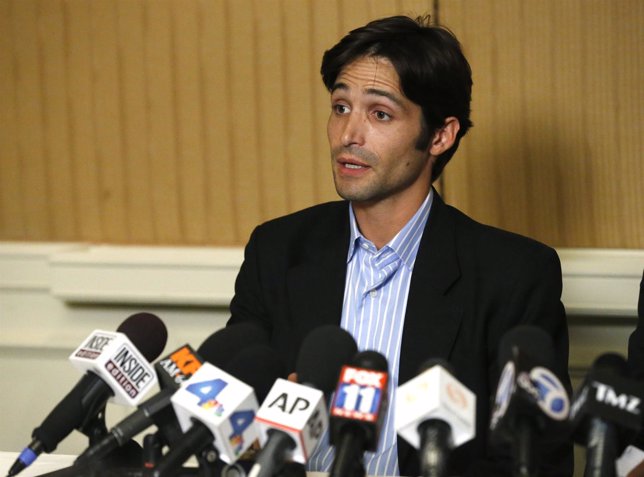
x=613, y=363
x=258, y=366
x=431, y=362
x=323, y=353
x=370, y=360
x=147, y=332
x=221, y=346
x=531, y=340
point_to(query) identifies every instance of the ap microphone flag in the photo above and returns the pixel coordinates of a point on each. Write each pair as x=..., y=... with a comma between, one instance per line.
x=293, y=417
x=298, y=411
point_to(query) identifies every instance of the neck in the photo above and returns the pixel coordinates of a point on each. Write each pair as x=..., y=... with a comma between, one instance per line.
x=379, y=222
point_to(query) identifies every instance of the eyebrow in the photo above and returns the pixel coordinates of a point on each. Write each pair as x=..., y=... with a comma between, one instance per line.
x=371, y=91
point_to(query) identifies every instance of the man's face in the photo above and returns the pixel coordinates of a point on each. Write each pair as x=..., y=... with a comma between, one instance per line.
x=373, y=130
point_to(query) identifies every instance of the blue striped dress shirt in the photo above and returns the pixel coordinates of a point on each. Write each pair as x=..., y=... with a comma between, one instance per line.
x=375, y=300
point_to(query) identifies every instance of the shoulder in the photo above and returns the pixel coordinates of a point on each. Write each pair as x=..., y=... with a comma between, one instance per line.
x=325, y=212
x=303, y=231
x=312, y=220
x=491, y=253
x=493, y=243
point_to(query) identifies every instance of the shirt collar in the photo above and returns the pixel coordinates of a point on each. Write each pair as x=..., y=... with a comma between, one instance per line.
x=405, y=243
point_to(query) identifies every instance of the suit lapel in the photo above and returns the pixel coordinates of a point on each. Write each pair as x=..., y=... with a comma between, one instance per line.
x=433, y=315
x=316, y=281
x=315, y=285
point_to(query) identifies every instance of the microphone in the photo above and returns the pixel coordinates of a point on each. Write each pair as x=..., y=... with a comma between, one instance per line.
x=117, y=367
x=226, y=344
x=293, y=416
x=177, y=367
x=171, y=371
x=607, y=403
x=357, y=412
x=213, y=405
x=530, y=399
x=435, y=413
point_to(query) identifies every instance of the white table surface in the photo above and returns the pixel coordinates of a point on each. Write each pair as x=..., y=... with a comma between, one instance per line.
x=50, y=462
x=45, y=463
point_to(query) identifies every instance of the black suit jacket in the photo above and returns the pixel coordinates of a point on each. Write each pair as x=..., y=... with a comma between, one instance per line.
x=470, y=284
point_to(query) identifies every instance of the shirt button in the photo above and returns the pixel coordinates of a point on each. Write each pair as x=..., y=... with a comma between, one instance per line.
x=373, y=293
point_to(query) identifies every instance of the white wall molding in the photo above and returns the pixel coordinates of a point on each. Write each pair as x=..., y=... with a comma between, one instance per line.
x=193, y=276
x=25, y=266
x=597, y=282
x=601, y=282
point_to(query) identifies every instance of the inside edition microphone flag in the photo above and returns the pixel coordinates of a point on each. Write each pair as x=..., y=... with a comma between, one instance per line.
x=116, y=366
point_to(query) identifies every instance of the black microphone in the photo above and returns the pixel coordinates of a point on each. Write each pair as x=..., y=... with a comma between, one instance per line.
x=323, y=353
x=219, y=348
x=224, y=415
x=114, y=368
x=177, y=366
x=293, y=417
x=530, y=399
x=357, y=412
x=606, y=407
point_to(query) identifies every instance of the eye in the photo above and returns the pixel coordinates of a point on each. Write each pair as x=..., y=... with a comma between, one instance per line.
x=382, y=116
x=340, y=108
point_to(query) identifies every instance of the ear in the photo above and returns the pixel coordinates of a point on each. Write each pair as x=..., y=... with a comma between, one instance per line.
x=445, y=136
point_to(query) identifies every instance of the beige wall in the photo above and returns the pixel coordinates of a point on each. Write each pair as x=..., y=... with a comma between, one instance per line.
x=189, y=122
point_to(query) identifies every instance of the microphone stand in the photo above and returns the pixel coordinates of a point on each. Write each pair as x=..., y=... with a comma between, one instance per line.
x=435, y=446
x=523, y=448
x=601, y=450
x=348, y=456
x=95, y=428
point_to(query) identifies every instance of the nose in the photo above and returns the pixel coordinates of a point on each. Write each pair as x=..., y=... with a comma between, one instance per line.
x=353, y=130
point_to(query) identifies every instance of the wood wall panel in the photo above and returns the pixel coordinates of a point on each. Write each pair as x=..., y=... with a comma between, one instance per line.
x=191, y=121
x=107, y=119
x=554, y=153
x=82, y=128
x=51, y=41
x=11, y=208
x=131, y=30
x=272, y=159
x=29, y=121
x=217, y=76
x=163, y=151
x=188, y=94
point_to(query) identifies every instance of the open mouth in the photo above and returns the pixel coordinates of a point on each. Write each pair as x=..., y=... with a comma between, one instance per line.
x=352, y=164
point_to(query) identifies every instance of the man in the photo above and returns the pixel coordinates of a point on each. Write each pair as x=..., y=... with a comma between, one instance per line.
x=636, y=365
x=406, y=274
x=636, y=340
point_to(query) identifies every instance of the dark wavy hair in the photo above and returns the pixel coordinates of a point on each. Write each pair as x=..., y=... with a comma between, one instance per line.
x=431, y=66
